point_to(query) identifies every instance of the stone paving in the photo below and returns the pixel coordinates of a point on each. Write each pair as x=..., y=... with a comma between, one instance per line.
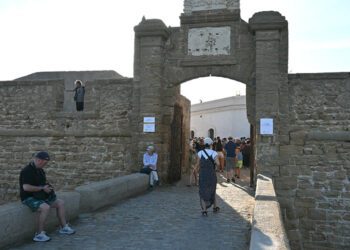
x=165, y=218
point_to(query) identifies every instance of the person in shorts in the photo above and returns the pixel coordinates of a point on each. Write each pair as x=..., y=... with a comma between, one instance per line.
x=239, y=162
x=38, y=195
x=230, y=149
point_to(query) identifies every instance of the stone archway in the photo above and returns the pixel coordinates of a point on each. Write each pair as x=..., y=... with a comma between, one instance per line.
x=212, y=40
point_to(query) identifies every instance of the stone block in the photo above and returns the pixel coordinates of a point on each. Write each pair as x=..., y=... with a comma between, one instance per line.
x=101, y=194
x=316, y=214
x=285, y=183
x=305, y=202
x=289, y=150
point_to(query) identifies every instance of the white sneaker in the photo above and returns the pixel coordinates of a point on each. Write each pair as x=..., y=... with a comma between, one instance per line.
x=66, y=230
x=41, y=237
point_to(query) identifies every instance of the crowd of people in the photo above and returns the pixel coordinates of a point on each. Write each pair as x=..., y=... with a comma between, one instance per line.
x=233, y=154
x=209, y=156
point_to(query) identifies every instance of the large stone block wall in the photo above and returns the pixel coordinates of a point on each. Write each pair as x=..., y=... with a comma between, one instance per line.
x=314, y=182
x=85, y=146
x=186, y=108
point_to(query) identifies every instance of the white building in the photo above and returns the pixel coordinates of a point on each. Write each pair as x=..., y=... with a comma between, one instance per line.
x=224, y=117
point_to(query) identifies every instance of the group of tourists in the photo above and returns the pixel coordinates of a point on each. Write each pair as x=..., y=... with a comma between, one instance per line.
x=209, y=156
x=233, y=154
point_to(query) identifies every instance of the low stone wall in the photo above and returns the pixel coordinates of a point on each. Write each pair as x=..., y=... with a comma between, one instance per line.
x=267, y=228
x=101, y=194
x=18, y=223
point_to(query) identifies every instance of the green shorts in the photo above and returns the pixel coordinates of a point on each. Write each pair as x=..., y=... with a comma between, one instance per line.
x=239, y=164
x=34, y=204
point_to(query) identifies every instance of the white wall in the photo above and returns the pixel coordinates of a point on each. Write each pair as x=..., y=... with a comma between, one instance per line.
x=227, y=116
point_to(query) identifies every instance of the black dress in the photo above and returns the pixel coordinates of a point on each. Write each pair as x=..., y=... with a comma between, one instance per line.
x=207, y=181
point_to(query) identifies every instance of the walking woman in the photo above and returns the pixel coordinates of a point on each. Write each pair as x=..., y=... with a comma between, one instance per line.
x=207, y=160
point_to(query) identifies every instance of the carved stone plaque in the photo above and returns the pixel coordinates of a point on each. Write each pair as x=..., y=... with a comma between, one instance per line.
x=209, y=41
x=202, y=5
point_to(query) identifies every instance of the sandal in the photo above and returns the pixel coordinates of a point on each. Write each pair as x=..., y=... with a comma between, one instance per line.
x=216, y=209
x=204, y=213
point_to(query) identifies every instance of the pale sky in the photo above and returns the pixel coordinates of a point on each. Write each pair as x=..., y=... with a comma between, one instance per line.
x=71, y=35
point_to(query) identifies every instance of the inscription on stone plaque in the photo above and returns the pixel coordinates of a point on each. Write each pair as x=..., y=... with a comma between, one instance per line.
x=203, y=5
x=209, y=41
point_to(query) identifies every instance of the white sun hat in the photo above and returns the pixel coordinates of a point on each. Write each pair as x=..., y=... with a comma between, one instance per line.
x=208, y=141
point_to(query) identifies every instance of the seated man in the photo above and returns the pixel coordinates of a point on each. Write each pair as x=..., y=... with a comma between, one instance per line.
x=150, y=166
x=39, y=196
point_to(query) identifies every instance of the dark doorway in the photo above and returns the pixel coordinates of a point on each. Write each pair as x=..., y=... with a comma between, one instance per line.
x=176, y=147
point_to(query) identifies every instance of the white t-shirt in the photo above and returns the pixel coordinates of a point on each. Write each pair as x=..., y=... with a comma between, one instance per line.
x=210, y=152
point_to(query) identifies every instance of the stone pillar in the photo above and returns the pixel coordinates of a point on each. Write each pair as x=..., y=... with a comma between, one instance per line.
x=271, y=79
x=150, y=38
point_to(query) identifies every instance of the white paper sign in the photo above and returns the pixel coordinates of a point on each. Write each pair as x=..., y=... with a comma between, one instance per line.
x=149, y=119
x=149, y=128
x=266, y=126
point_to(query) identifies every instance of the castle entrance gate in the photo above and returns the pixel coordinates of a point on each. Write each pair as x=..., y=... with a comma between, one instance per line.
x=212, y=40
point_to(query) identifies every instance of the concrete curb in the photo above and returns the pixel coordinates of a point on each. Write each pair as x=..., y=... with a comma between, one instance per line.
x=268, y=231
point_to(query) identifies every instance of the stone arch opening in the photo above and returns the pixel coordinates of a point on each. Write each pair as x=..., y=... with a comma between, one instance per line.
x=217, y=110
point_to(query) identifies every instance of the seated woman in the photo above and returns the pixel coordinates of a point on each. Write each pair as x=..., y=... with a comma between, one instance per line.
x=150, y=166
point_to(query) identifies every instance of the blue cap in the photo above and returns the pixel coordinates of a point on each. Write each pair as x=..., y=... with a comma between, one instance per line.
x=43, y=155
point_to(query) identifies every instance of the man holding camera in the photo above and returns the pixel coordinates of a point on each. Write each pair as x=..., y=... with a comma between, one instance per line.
x=39, y=195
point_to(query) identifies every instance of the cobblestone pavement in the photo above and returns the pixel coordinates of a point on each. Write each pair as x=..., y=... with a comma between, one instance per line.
x=166, y=218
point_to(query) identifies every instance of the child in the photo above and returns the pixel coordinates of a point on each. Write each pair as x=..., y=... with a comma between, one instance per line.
x=239, y=162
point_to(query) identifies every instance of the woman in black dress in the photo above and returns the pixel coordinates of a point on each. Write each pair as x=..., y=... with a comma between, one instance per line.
x=207, y=161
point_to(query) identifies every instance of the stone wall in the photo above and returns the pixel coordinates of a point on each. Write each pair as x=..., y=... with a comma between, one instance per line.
x=186, y=108
x=314, y=183
x=85, y=146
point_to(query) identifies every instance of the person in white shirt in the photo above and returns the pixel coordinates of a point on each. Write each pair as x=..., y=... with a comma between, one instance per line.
x=150, y=166
x=207, y=161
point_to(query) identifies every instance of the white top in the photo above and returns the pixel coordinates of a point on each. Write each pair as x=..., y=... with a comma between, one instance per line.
x=150, y=160
x=210, y=152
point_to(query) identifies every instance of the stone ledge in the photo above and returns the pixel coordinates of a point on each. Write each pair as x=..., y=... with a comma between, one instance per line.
x=101, y=194
x=329, y=136
x=267, y=227
x=319, y=76
x=56, y=133
x=208, y=61
x=18, y=223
